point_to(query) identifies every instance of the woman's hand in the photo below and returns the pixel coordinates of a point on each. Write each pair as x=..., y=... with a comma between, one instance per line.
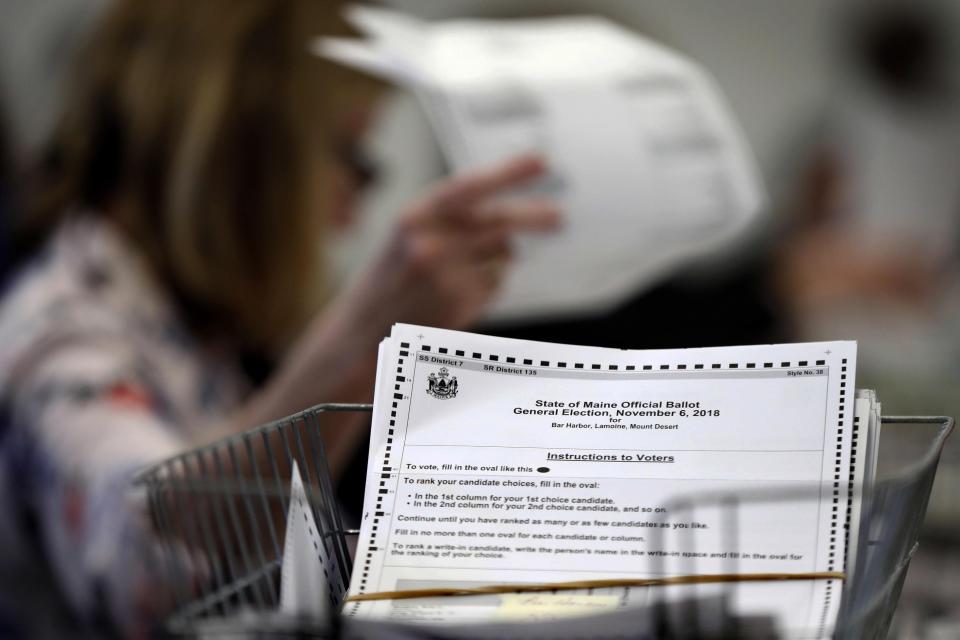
x=451, y=249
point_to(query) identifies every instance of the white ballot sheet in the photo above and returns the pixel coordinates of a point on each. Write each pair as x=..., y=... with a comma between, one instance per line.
x=861, y=472
x=308, y=567
x=498, y=461
x=645, y=159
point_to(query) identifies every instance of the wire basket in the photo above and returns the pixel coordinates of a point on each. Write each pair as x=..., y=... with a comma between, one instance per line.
x=220, y=514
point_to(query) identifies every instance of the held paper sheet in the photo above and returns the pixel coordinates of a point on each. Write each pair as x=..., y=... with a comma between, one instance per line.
x=646, y=160
x=499, y=461
x=308, y=567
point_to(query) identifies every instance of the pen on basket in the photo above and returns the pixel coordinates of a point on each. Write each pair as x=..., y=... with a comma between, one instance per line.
x=595, y=584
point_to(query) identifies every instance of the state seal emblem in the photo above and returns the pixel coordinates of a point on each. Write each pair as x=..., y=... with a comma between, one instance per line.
x=442, y=385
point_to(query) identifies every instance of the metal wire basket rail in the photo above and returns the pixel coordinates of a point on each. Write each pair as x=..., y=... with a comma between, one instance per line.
x=220, y=514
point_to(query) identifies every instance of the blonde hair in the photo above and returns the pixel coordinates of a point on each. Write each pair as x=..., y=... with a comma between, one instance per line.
x=206, y=131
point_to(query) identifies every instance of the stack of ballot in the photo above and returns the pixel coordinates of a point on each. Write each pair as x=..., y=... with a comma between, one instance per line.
x=509, y=462
x=645, y=159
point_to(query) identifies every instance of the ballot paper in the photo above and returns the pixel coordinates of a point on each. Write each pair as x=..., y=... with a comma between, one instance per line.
x=646, y=161
x=496, y=461
x=309, y=569
x=865, y=448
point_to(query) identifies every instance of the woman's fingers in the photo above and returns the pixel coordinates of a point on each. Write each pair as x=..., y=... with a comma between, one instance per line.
x=457, y=195
x=440, y=251
x=488, y=245
x=526, y=214
x=454, y=245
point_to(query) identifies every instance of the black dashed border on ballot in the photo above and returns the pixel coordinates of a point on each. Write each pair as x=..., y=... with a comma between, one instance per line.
x=405, y=377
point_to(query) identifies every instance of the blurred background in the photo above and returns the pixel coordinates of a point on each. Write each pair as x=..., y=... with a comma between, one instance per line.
x=853, y=111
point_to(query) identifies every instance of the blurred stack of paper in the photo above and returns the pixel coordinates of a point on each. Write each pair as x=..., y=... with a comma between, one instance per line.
x=646, y=161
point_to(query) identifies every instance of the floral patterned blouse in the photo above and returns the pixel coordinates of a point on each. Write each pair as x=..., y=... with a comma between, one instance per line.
x=98, y=378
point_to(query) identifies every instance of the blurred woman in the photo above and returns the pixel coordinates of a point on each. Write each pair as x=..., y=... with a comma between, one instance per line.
x=176, y=228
